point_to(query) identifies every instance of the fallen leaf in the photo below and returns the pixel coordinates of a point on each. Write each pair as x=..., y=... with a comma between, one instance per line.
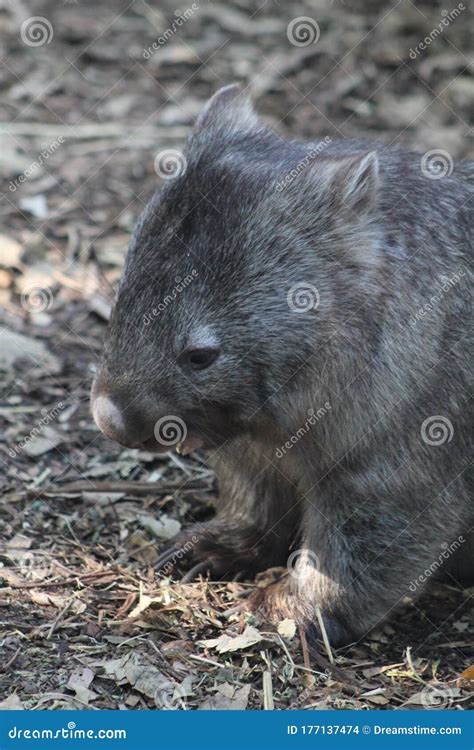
x=10, y=251
x=162, y=527
x=227, y=698
x=468, y=673
x=37, y=205
x=141, y=549
x=145, y=678
x=79, y=681
x=14, y=346
x=287, y=628
x=145, y=602
x=45, y=599
x=225, y=642
x=12, y=703
x=45, y=441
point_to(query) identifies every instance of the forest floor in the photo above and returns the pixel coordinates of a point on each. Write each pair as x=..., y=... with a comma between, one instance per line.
x=86, y=619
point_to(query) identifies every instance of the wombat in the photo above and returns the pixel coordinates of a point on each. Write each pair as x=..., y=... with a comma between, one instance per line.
x=301, y=313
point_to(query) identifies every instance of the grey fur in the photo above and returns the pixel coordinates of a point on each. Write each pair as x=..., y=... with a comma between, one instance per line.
x=377, y=236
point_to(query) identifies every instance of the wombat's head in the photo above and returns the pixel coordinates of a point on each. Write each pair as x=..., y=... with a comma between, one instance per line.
x=229, y=285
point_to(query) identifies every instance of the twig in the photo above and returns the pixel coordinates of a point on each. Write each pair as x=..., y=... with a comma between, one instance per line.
x=304, y=647
x=322, y=627
x=58, y=619
x=86, y=132
x=268, y=703
x=11, y=661
x=138, y=488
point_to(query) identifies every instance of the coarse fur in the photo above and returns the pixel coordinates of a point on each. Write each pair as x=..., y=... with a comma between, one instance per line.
x=334, y=279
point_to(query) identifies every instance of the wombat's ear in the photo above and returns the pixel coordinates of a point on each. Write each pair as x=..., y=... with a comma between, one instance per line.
x=354, y=182
x=229, y=109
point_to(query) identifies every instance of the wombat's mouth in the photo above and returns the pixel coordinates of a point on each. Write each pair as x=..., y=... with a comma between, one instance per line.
x=183, y=447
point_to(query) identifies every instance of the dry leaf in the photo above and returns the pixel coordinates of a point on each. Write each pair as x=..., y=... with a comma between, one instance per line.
x=45, y=441
x=15, y=346
x=162, y=527
x=12, y=703
x=145, y=678
x=287, y=628
x=10, y=251
x=227, y=698
x=79, y=682
x=225, y=642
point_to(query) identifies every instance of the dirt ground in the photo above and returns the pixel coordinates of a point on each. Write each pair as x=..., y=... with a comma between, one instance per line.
x=86, y=619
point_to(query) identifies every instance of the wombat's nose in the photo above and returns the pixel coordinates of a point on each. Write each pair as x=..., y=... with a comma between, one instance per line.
x=126, y=425
x=109, y=419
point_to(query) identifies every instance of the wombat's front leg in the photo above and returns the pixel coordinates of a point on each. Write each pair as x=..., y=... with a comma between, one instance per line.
x=258, y=516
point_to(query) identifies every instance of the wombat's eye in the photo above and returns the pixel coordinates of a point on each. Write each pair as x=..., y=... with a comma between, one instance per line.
x=199, y=359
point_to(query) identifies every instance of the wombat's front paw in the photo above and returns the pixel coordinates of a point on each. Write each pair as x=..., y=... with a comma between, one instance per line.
x=277, y=602
x=222, y=551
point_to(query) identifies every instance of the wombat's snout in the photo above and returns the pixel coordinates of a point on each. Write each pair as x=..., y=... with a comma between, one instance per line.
x=109, y=419
x=127, y=424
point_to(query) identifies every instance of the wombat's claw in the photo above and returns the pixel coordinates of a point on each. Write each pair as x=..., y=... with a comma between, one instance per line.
x=165, y=557
x=201, y=567
x=243, y=606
